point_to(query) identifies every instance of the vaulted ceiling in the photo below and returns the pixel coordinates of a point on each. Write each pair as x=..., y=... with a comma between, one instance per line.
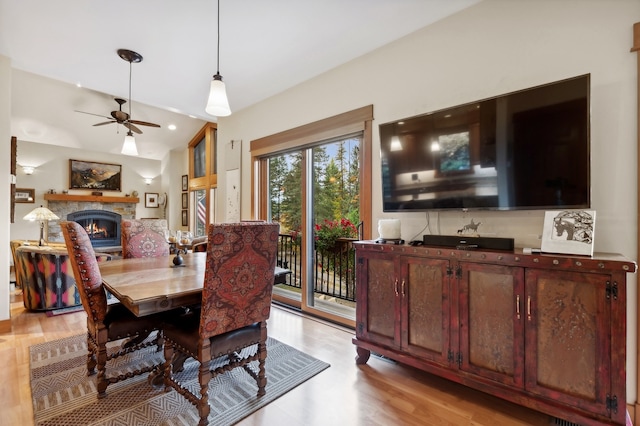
x=265, y=48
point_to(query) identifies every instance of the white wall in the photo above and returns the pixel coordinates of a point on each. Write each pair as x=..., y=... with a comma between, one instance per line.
x=52, y=172
x=5, y=192
x=494, y=47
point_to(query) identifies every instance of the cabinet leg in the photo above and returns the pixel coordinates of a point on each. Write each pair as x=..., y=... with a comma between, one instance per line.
x=363, y=355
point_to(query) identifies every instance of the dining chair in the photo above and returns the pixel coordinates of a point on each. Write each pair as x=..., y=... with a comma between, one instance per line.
x=106, y=322
x=144, y=238
x=232, y=321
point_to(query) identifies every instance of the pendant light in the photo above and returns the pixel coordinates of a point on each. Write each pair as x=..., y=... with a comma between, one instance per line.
x=218, y=105
x=129, y=146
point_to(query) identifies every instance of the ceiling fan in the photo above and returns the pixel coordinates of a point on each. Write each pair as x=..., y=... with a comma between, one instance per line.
x=120, y=116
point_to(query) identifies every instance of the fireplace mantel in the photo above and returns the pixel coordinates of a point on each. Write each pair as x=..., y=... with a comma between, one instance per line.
x=90, y=198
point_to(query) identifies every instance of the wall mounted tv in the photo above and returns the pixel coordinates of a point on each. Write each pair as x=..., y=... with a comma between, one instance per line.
x=522, y=150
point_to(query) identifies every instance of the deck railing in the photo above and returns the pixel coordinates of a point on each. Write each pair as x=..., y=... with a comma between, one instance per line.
x=334, y=271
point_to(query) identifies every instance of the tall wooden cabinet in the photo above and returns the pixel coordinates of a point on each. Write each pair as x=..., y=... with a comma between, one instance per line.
x=544, y=331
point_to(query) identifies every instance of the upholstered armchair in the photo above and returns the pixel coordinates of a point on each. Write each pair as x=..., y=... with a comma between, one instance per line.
x=106, y=323
x=236, y=302
x=45, y=276
x=144, y=238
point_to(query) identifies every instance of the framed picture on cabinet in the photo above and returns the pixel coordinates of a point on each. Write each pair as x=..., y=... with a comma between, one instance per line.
x=185, y=200
x=185, y=218
x=569, y=232
x=185, y=182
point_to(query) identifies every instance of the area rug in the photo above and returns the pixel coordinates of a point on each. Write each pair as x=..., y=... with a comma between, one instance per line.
x=63, y=394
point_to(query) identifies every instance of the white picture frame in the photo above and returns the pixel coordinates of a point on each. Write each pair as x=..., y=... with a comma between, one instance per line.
x=569, y=232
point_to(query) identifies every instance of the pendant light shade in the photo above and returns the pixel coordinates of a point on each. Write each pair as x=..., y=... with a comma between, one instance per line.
x=129, y=146
x=218, y=104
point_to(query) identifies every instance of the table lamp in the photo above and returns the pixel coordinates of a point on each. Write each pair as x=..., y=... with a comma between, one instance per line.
x=41, y=214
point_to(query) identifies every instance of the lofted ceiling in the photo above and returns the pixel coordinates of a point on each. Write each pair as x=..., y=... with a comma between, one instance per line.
x=265, y=48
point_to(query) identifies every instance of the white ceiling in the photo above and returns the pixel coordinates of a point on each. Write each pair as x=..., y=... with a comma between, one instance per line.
x=266, y=47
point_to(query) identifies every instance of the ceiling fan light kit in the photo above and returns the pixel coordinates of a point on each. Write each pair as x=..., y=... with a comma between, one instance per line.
x=218, y=104
x=122, y=117
x=129, y=145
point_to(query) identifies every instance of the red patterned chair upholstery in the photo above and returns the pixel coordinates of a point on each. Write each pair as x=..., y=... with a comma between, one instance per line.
x=105, y=323
x=144, y=238
x=236, y=302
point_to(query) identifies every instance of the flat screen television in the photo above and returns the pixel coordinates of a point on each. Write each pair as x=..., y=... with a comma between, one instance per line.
x=523, y=150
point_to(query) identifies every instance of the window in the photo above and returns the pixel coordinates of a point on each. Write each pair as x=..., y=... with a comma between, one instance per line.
x=203, y=179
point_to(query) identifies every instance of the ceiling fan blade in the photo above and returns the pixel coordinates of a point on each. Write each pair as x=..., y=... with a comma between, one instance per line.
x=144, y=123
x=131, y=127
x=120, y=115
x=106, y=122
x=90, y=113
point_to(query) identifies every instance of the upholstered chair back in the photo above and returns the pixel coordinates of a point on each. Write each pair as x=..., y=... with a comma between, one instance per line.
x=241, y=259
x=144, y=238
x=86, y=271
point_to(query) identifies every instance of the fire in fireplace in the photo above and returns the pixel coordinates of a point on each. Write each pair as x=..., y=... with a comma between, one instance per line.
x=102, y=226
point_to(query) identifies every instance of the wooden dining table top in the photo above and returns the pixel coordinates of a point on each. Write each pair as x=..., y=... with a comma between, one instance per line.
x=154, y=284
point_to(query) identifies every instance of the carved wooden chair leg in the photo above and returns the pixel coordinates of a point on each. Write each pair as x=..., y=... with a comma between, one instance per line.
x=262, y=375
x=101, y=380
x=204, y=376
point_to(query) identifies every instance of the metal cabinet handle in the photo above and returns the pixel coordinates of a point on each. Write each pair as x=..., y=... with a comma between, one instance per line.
x=403, y=288
x=529, y=308
x=518, y=306
x=395, y=286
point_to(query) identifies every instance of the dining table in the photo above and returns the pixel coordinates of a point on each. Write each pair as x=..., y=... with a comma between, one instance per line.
x=154, y=284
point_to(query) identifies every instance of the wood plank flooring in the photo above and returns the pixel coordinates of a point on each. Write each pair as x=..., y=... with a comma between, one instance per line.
x=379, y=393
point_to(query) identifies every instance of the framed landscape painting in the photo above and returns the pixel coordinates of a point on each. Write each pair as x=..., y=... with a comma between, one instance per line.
x=92, y=175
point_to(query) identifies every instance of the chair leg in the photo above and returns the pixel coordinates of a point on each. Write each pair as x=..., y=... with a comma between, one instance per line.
x=102, y=381
x=262, y=375
x=91, y=356
x=204, y=376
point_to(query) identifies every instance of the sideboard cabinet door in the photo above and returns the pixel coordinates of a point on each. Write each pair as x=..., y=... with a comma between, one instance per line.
x=491, y=305
x=378, y=316
x=426, y=312
x=568, y=348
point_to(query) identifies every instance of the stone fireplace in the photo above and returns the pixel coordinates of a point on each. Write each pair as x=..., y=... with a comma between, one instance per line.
x=72, y=207
x=102, y=226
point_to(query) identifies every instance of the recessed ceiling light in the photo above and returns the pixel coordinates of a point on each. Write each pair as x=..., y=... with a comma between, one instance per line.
x=78, y=85
x=171, y=126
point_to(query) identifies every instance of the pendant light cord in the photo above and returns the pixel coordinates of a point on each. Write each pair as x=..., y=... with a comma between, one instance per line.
x=218, y=49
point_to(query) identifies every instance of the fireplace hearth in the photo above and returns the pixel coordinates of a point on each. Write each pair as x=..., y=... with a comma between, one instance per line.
x=103, y=227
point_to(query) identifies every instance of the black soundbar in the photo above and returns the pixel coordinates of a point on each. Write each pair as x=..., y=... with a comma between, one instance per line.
x=468, y=243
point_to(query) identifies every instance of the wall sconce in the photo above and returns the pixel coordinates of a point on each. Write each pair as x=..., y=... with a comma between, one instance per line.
x=28, y=170
x=148, y=181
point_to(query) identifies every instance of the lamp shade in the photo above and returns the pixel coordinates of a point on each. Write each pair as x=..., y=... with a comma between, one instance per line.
x=41, y=214
x=129, y=146
x=218, y=105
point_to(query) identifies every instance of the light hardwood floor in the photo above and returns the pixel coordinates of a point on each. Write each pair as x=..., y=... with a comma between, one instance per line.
x=379, y=393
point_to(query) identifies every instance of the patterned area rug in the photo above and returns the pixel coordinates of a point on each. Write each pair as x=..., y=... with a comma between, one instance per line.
x=63, y=394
